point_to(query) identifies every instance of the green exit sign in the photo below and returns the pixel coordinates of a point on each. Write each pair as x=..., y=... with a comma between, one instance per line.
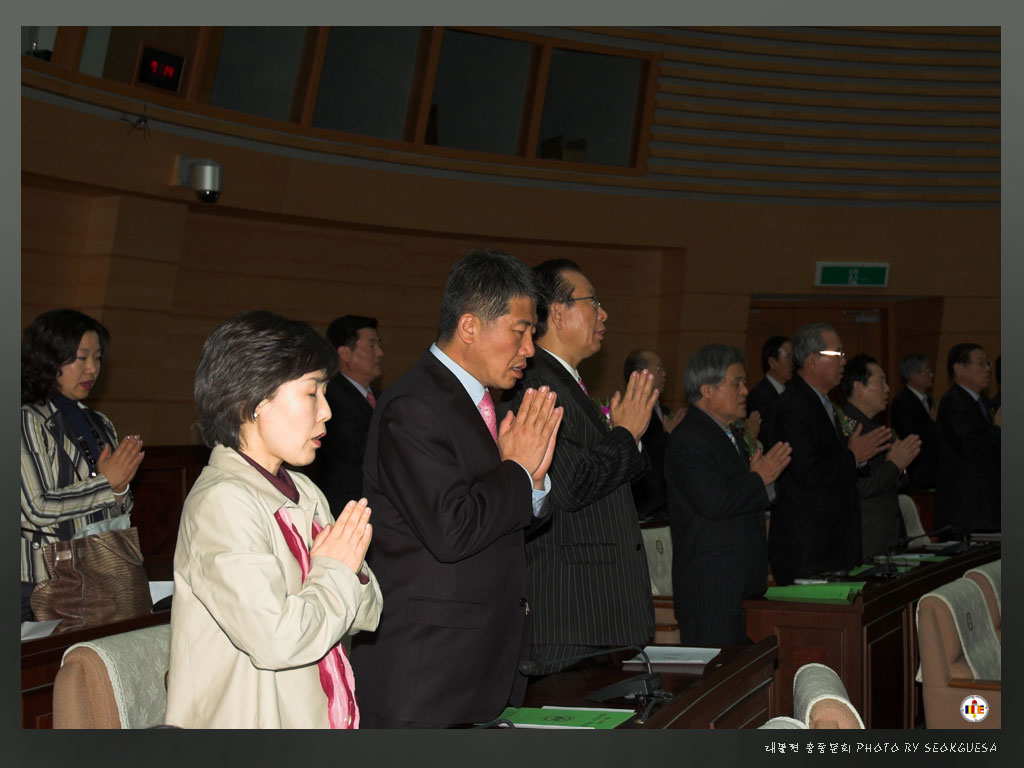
x=859, y=275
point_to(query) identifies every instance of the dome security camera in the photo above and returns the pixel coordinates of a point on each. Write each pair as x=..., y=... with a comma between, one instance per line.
x=204, y=176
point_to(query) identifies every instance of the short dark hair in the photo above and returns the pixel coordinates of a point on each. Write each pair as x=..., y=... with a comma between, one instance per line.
x=856, y=370
x=771, y=349
x=552, y=287
x=344, y=331
x=50, y=342
x=708, y=365
x=910, y=364
x=808, y=340
x=635, y=361
x=244, y=361
x=483, y=282
x=960, y=353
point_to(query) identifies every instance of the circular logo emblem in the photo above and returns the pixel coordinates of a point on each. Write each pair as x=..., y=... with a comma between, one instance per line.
x=974, y=708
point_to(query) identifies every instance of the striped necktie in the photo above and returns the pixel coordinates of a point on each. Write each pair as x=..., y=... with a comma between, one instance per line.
x=486, y=408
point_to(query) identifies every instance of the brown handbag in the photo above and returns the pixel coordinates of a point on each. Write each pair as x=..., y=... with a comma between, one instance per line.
x=93, y=580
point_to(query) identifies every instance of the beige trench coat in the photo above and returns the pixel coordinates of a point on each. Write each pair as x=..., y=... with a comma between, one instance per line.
x=246, y=633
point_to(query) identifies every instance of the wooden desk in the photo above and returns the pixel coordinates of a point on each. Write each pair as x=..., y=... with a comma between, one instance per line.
x=735, y=690
x=871, y=644
x=40, y=661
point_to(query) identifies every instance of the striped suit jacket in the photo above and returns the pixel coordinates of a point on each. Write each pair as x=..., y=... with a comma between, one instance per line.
x=588, y=569
x=58, y=497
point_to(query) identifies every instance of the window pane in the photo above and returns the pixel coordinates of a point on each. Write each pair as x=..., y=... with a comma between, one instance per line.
x=590, y=107
x=366, y=79
x=479, y=91
x=256, y=70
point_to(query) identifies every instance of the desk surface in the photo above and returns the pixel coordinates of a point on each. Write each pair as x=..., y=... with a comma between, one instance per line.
x=734, y=691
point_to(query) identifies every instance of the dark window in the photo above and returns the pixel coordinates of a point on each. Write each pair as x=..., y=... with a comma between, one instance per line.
x=366, y=80
x=256, y=70
x=590, y=108
x=479, y=91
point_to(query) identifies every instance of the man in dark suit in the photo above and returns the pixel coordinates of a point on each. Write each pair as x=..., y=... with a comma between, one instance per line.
x=452, y=494
x=967, y=493
x=717, y=497
x=339, y=471
x=588, y=568
x=777, y=364
x=914, y=413
x=879, y=480
x=649, y=493
x=815, y=526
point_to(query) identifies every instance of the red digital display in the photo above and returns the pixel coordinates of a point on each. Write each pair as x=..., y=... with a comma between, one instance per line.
x=160, y=68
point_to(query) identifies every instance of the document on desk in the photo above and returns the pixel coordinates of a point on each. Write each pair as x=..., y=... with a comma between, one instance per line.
x=678, y=656
x=565, y=717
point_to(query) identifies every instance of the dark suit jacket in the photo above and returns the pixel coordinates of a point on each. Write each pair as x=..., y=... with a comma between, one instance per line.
x=815, y=525
x=448, y=526
x=716, y=512
x=910, y=417
x=878, y=482
x=967, y=492
x=649, y=494
x=588, y=568
x=340, y=458
x=761, y=397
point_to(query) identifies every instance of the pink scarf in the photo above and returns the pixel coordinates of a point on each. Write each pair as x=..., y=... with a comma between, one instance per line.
x=335, y=672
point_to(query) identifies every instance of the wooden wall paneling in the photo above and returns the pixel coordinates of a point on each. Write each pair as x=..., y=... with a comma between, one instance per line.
x=917, y=324
x=423, y=83
x=307, y=79
x=67, y=47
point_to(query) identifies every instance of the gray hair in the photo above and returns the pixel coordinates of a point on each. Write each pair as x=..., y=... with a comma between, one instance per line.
x=911, y=364
x=807, y=340
x=708, y=365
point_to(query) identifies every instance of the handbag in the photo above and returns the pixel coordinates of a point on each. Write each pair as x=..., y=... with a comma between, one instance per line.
x=93, y=580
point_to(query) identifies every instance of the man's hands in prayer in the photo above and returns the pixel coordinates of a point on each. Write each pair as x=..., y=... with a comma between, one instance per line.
x=904, y=451
x=633, y=410
x=770, y=465
x=864, y=446
x=528, y=437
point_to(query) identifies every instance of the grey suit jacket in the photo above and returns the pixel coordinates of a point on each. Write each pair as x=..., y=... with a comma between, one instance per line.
x=588, y=568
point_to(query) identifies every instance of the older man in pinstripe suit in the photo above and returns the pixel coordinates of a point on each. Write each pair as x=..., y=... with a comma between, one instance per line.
x=588, y=570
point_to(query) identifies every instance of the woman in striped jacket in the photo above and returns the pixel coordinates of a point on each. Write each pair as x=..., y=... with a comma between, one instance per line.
x=74, y=473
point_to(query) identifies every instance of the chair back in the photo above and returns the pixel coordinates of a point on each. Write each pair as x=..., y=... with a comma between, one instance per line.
x=658, y=545
x=912, y=521
x=989, y=578
x=114, y=682
x=820, y=699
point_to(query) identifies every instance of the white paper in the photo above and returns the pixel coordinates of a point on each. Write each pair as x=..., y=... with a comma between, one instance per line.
x=675, y=654
x=158, y=590
x=32, y=630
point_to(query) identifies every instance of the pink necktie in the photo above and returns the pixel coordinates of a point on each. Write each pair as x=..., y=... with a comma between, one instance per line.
x=486, y=408
x=584, y=388
x=371, y=399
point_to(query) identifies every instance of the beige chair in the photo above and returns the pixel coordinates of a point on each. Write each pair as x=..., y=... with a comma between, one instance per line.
x=960, y=655
x=989, y=577
x=658, y=546
x=114, y=682
x=912, y=522
x=821, y=701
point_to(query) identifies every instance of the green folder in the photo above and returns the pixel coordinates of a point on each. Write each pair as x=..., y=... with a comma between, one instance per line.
x=557, y=717
x=834, y=592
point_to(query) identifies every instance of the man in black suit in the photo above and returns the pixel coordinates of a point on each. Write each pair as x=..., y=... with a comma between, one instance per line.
x=339, y=471
x=452, y=494
x=815, y=526
x=588, y=568
x=879, y=480
x=914, y=413
x=777, y=364
x=717, y=497
x=967, y=493
x=649, y=493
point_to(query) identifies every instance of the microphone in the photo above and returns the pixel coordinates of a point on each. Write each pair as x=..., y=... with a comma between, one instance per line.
x=635, y=687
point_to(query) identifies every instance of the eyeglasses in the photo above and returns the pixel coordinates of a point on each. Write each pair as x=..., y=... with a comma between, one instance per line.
x=831, y=353
x=592, y=299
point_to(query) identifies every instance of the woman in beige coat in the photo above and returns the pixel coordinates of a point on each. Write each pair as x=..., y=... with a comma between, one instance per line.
x=266, y=582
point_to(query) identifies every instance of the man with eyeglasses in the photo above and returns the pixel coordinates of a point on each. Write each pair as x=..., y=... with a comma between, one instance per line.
x=815, y=528
x=967, y=493
x=590, y=586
